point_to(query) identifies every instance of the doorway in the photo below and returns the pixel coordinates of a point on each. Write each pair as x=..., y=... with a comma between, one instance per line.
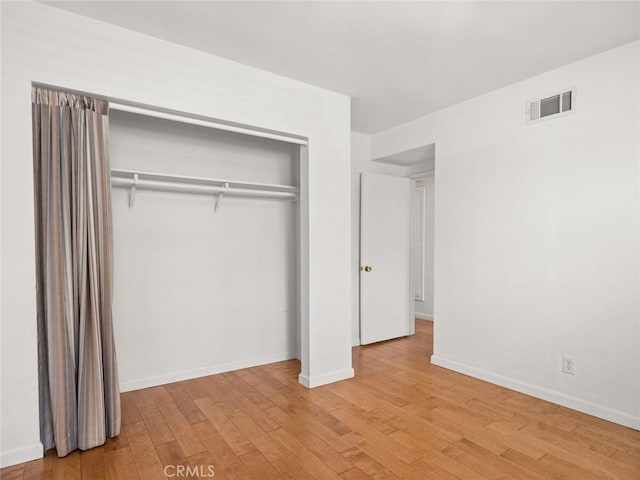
x=397, y=214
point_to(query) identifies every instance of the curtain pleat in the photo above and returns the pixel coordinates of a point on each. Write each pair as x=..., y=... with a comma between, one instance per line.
x=78, y=376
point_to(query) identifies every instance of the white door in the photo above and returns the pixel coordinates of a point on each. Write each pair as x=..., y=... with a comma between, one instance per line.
x=386, y=295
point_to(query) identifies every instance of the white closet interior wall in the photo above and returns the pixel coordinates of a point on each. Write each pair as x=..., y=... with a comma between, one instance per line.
x=199, y=292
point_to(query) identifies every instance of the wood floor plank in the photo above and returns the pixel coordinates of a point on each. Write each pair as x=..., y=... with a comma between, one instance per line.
x=582, y=476
x=186, y=405
x=508, y=468
x=312, y=465
x=197, y=388
x=39, y=469
x=571, y=452
x=93, y=464
x=244, y=395
x=258, y=438
x=14, y=472
x=534, y=465
x=67, y=468
x=543, y=414
x=627, y=458
x=176, y=387
x=501, y=415
x=420, y=441
x=259, y=466
x=598, y=424
x=399, y=418
x=118, y=442
x=413, y=424
x=485, y=437
x=483, y=466
x=170, y=453
x=355, y=474
x=354, y=394
x=450, y=468
x=181, y=429
x=367, y=465
x=291, y=468
x=324, y=451
x=205, y=466
x=385, y=458
x=155, y=424
x=608, y=441
x=221, y=455
x=560, y=466
x=236, y=440
x=143, y=451
x=129, y=408
x=406, y=453
x=120, y=464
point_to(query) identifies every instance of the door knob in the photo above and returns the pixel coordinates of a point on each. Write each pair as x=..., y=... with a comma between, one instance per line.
x=367, y=268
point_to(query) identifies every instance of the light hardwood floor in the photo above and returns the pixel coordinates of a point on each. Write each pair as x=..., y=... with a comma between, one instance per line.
x=399, y=418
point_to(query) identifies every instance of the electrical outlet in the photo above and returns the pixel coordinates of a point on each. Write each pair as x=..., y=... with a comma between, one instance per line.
x=568, y=365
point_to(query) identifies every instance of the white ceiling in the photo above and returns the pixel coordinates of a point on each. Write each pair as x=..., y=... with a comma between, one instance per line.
x=397, y=60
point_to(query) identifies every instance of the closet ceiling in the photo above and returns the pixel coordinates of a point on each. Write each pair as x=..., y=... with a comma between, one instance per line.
x=397, y=60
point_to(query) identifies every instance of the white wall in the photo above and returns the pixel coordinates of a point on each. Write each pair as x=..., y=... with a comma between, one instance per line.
x=361, y=162
x=537, y=236
x=44, y=44
x=198, y=292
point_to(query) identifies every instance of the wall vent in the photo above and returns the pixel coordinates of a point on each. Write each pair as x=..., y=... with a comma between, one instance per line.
x=551, y=106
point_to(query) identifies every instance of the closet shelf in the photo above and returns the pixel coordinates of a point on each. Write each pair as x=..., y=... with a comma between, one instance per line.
x=135, y=179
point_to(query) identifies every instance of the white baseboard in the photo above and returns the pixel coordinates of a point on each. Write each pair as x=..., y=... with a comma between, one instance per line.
x=553, y=396
x=423, y=316
x=319, y=380
x=355, y=341
x=129, y=385
x=21, y=455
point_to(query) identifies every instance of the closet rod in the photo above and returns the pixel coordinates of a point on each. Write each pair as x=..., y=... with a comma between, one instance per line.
x=135, y=179
x=184, y=179
x=144, y=184
x=204, y=123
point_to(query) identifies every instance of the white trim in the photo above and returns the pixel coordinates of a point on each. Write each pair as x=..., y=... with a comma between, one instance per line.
x=424, y=316
x=129, y=385
x=209, y=123
x=569, y=401
x=418, y=207
x=355, y=342
x=429, y=173
x=128, y=106
x=311, y=381
x=21, y=455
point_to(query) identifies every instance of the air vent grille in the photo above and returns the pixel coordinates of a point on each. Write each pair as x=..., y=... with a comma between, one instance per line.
x=549, y=106
x=556, y=104
x=566, y=101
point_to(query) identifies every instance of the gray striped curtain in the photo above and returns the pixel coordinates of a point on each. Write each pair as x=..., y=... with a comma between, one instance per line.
x=78, y=375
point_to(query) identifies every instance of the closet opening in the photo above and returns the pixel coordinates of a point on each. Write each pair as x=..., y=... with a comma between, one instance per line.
x=207, y=279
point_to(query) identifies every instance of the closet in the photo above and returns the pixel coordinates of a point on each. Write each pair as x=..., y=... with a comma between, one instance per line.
x=205, y=229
